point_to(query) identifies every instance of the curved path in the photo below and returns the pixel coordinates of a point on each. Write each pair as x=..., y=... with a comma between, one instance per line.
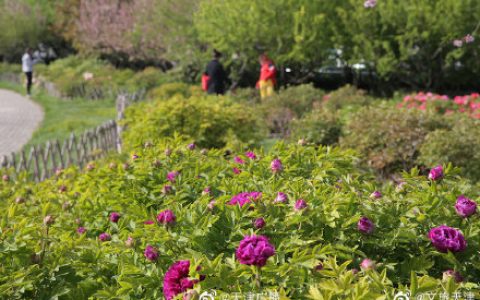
x=19, y=118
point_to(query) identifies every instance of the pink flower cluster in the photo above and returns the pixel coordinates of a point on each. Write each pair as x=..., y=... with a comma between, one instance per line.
x=177, y=279
x=446, y=239
x=469, y=104
x=465, y=40
x=370, y=3
x=245, y=198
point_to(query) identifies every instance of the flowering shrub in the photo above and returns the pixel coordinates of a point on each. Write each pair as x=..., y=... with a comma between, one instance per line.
x=225, y=247
x=468, y=104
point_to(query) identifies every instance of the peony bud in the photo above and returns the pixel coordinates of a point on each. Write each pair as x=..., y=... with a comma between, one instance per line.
x=376, y=195
x=191, y=146
x=281, y=198
x=436, y=173
x=211, y=205
x=300, y=204
x=451, y=273
x=81, y=230
x=365, y=225
x=259, y=223
x=276, y=166
x=151, y=253
x=114, y=217
x=104, y=237
x=48, y=220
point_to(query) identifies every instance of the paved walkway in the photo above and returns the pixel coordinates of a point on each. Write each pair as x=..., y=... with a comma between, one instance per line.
x=19, y=117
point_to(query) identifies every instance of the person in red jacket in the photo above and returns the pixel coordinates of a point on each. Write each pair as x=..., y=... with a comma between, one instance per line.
x=268, y=74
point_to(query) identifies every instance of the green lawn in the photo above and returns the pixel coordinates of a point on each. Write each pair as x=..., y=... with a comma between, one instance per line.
x=63, y=117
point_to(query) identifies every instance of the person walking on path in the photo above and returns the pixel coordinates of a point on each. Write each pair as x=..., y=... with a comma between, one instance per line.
x=268, y=74
x=217, y=77
x=27, y=68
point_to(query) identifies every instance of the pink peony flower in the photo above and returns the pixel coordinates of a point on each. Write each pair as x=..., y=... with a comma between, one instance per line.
x=365, y=225
x=81, y=230
x=236, y=171
x=370, y=3
x=465, y=207
x=281, y=198
x=376, y=195
x=254, y=250
x=436, y=173
x=259, y=223
x=114, y=217
x=238, y=160
x=177, y=280
x=245, y=198
x=166, y=217
x=172, y=176
x=446, y=239
x=458, y=43
x=251, y=155
x=276, y=166
x=104, y=237
x=469, y=39
x=151, y=253
x=367, y=264
x=206, y=191
x=300, y=204
x=451, y=273
x=211, y=204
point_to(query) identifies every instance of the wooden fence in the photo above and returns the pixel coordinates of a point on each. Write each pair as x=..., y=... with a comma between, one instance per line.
x=43, y=161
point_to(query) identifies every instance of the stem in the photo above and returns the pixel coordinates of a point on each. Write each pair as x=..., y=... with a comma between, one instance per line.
x=258, y=282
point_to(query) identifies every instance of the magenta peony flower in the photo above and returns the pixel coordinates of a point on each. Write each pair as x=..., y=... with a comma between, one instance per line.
x=436, y=173
x=276, y=166
x=104, y=237
x=376, y=195
x=446, y=239
x=458, y=43
x=365, y=225
x=191, y=146
x=172, y=176
x=367, y=264
x=451, y=273
x=81, y=230
x=236, y=171
x=281, y=198
x=251, y=155
x=177, y=280
x=465, y=207
x=238, y=160
x=245, y=198
x=151, y=253
x=166, y=217
x=469, y=39
x=259, y=223
x=254, y=250
x=114, y=217
x=370, y=3
x=300, y=204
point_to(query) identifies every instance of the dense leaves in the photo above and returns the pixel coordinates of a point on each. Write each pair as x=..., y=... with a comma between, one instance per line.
x=317, y=247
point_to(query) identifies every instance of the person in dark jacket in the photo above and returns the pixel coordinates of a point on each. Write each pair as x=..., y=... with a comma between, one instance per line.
x=217, y=75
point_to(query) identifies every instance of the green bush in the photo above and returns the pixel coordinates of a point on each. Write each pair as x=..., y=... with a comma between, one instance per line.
x=91, y=78
x=212, y=122
x=318, y=250
x=389, y=139
x=321, y=127
x=169, y=90
x=288, y=104
x=458, y=146
x=346, y=96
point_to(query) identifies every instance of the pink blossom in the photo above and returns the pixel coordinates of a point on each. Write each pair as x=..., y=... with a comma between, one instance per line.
x=238, y=160
x=236, y=171
x=172, y=176
x=458, y=43
x=251, y=155
x=367, y=264
x=469, y=39
x=370, y=3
